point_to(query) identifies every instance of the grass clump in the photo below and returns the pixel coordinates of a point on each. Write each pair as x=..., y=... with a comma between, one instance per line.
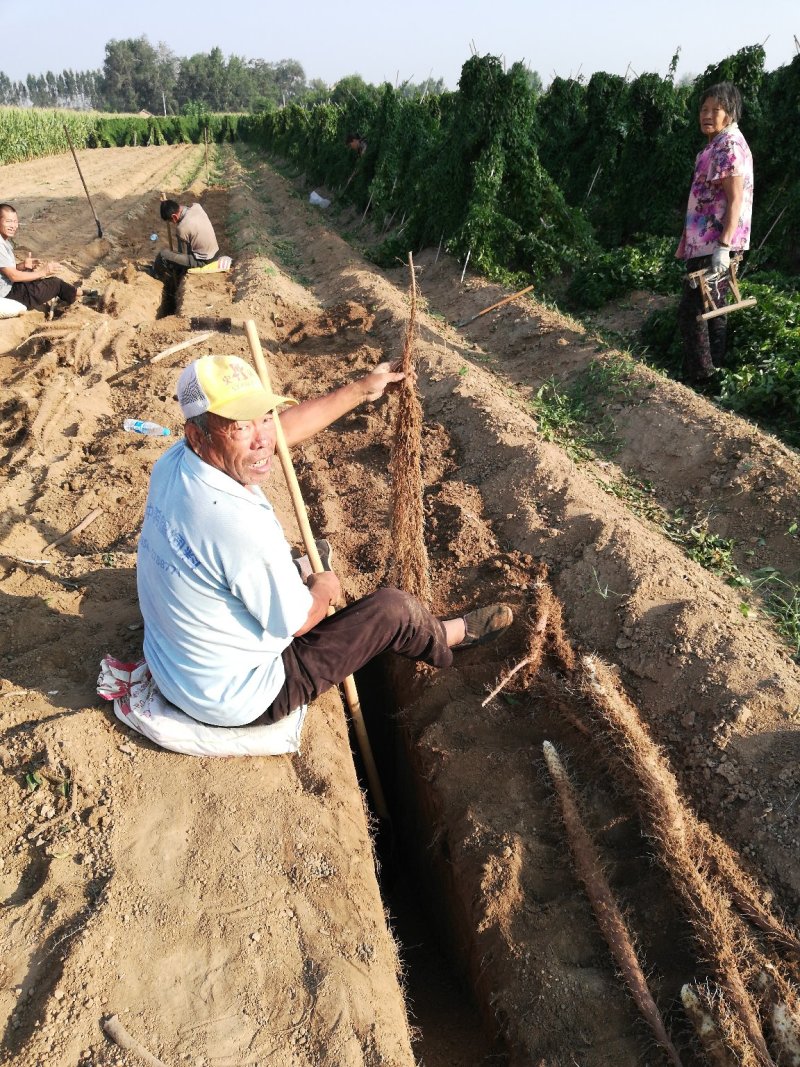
x=576, y=416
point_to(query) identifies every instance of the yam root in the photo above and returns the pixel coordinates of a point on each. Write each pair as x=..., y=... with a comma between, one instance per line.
x=114, y=1029
x=609, y=917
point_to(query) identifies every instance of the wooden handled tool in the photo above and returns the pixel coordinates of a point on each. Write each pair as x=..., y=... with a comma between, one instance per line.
x=499, y=304
x=710, y=308
x=349, y=685
x=80, y=174
x=169, y=227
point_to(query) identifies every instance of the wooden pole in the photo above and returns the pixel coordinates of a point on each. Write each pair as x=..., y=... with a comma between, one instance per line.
x=464, y=271
x=499, y=304
x=196, y=340
x=349, y=685
x=205, y=138
x=80, y=173
x=169, y=226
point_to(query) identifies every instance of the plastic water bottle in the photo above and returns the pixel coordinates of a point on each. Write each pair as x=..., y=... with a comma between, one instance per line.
x=152, y=429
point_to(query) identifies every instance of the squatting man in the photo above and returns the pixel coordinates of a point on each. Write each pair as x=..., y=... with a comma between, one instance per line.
x=197, y=242
x=233, y=635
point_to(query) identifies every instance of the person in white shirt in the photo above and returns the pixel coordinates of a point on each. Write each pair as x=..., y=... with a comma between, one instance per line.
x=232, y=634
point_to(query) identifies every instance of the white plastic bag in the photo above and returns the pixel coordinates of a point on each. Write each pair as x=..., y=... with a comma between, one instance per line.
x=319, y=201
x=9, y=309
x=139, y=704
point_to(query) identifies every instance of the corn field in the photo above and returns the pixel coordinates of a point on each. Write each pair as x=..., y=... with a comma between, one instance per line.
x=27, y=133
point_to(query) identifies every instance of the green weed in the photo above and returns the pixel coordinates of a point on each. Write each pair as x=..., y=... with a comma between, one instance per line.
x=576, y=417
x=781, y=601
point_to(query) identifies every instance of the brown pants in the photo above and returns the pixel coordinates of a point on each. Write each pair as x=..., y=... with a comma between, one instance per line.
x=387, y=620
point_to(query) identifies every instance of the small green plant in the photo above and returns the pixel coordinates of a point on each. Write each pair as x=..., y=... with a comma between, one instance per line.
x=576, y=417
x=781, y=601
x=778, y=598
x=604, y=590
x=33, y=780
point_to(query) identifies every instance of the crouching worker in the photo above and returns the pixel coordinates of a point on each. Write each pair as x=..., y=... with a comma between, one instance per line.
x=197, y=242
x=233, y=635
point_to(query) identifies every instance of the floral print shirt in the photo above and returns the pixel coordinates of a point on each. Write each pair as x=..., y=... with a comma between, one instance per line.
x=726, y=156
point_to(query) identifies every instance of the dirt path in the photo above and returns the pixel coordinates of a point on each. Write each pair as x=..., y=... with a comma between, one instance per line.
x=228, y=910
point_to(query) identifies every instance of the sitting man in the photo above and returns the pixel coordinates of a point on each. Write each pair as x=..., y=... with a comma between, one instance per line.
x=233, y=635
x=31, y=283
x=197, y=242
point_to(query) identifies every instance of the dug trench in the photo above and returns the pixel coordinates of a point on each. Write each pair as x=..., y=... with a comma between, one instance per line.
x=181, y=894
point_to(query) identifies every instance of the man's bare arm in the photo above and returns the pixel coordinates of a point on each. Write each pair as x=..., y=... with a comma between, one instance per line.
x=14, y=274
x=325, y=590
x=301, y=422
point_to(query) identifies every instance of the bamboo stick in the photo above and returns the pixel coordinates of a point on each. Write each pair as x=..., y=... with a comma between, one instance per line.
x=75, y=530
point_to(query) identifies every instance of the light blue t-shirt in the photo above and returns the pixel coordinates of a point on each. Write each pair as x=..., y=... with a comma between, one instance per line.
x=219, y=593
x=7, y=259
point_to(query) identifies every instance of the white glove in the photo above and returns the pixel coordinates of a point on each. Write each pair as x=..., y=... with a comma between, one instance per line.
x=720, y=259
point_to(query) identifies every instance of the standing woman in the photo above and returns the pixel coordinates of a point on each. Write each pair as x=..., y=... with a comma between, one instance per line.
x=717, y=223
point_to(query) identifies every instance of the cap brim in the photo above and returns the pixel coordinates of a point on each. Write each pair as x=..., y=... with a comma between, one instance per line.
x=254, y=406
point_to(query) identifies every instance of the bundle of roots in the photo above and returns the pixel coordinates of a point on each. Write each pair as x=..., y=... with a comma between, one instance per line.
x=410, y=563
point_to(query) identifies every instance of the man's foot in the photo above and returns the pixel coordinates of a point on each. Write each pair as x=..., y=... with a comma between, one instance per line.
x=303, y=563
x=485, y=624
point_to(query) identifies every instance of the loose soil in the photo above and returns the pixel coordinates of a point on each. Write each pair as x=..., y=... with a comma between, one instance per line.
x=228, y=910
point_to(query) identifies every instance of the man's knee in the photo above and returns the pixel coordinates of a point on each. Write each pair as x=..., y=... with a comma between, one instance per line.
x=402, y=608
x=396, y=602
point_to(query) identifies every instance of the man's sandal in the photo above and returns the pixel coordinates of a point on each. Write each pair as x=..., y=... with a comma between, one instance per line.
x=485, y=624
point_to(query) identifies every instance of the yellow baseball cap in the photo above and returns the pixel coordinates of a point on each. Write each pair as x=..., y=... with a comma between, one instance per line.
x=226, y=386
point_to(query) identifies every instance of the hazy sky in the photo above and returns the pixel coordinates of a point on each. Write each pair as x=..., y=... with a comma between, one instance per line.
x=411, y=39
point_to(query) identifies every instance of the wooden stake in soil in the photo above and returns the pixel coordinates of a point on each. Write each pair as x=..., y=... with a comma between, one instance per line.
x=75, y=530
x=493, y=307
x=348, y=685
x=464, y=271
x=609, y=918
x=410, y=558
x=366, y=209
x=196, y=340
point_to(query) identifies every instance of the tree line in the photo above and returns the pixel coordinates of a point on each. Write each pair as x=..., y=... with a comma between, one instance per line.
x=138, y=76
